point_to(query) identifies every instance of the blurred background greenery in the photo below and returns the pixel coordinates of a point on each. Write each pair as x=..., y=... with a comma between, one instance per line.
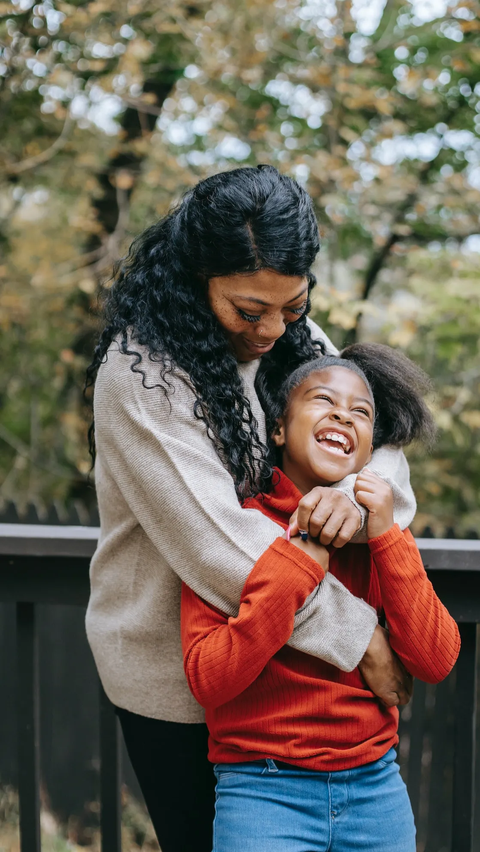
x=109, y=111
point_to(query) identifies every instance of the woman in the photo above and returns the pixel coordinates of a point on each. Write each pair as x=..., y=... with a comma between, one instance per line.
x=214, y=292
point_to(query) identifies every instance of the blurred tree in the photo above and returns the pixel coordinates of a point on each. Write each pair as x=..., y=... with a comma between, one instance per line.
x=67, y=71
x=374, y=107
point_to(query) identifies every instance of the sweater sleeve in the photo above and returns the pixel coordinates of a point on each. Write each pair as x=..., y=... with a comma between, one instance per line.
x=179, y=492
x=223, y=656
x=389, y=462
x=422, y=632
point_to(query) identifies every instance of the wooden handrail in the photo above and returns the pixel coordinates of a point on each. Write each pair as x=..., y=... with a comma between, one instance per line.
x=49, y=564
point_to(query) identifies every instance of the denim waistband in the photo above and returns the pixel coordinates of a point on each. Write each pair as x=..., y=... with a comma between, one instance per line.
x=272, y=764
x=282, y=764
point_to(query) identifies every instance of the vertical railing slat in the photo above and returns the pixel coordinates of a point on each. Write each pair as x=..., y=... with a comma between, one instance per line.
x=437, y=813
x=110, y=771
x=464, y=756
x=28, y=728
x=417, y=723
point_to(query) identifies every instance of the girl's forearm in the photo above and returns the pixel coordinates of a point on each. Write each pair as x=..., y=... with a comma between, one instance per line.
x=422, y=632
x=223, y=656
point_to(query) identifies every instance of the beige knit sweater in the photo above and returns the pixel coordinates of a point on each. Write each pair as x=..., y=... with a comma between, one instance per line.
x=169, y=513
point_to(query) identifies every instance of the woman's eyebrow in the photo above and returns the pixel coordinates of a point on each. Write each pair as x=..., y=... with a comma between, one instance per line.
x=299, y=295
x=267, y=304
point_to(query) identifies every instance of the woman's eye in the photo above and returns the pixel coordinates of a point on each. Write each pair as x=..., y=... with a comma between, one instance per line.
x=247, y=317
x=298, y=311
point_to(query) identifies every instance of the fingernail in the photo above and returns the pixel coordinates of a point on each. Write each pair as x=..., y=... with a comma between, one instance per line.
x=287, y=533
x=303, y=535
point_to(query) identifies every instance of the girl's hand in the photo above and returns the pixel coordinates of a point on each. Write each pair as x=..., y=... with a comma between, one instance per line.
x=314, y=549
x=327, y=514
x=376, y=495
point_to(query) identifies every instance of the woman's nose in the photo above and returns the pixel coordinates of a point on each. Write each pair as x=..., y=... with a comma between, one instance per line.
x=271, y=327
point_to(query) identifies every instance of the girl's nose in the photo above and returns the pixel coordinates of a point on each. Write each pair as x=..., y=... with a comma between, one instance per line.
x=342, y=417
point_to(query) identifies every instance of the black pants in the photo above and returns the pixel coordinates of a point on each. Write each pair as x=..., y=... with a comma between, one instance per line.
x=176, y=779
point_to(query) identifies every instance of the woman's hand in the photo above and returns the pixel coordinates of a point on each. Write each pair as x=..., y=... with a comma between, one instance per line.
x=384, y=673
x=376, y=495
x=314, y=549
x=328, y=514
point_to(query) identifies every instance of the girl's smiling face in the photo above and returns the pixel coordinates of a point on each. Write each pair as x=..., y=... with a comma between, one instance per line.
x=326, y=432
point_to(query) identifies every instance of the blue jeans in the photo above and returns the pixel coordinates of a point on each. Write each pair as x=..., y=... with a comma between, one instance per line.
x=263, y=808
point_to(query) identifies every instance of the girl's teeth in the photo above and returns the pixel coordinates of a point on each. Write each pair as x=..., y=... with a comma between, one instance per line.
x=334, y=436
x=340, y=439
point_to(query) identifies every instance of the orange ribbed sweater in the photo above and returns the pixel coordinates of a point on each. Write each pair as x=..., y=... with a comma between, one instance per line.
x=265, y=699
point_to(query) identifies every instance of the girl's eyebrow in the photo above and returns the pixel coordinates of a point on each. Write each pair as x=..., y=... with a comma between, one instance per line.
x=267, y=304
x=332, y=390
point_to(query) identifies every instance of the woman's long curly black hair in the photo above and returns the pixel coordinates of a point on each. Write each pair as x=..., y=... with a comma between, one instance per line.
x=234, y=222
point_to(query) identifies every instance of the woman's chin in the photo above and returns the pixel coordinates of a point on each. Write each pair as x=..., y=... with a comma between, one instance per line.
x=246, y=350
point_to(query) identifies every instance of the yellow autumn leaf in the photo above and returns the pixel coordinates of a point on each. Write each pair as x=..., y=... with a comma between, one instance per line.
x=471, y=419
x=444, y=420
x=343, y=318
x=404, y=334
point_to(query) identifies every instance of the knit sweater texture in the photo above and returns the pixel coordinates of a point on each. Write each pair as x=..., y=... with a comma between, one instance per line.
x=264, y=699
x=169, y=512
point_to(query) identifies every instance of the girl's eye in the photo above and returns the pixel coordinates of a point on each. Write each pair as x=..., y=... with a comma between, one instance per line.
x=363, y=411
x=299, y=311
x=247, y=317
x=323, y=396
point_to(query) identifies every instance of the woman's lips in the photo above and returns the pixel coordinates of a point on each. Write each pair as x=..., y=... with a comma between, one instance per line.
x=258, y=348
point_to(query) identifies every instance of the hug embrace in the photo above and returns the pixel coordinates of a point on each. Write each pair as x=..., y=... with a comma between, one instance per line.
x=255, y=502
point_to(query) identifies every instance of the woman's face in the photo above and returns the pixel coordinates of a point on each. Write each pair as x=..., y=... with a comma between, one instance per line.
x=255, y=309
x=326, y=432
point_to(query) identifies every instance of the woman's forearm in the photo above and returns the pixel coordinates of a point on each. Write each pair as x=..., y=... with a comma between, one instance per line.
x=334, y=625
x=389, y=463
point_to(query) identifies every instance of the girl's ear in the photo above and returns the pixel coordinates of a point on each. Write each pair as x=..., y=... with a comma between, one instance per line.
x=278, y=436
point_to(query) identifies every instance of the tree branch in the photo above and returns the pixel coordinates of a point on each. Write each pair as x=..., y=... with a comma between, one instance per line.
x=380, y=257
x=390, y=16
x=23, y=450
x=376, y=265
x=106, y=254
x=142, y=106
x=44, y=156
x=378, y=260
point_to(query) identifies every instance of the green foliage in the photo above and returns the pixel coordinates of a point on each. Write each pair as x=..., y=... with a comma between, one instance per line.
x=112, y=110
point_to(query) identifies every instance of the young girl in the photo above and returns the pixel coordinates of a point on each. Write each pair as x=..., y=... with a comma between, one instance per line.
x=304, y=752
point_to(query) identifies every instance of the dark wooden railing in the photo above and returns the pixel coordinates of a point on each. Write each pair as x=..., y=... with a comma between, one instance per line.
x=49, y=565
